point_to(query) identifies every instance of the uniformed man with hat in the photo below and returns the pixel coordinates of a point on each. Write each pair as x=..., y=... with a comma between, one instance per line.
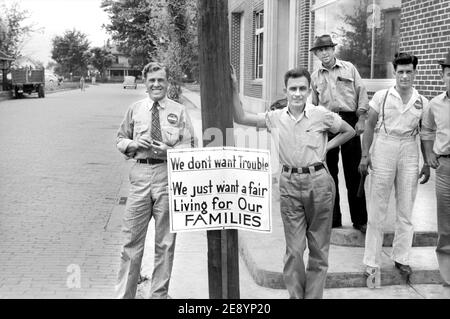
x=337, y=86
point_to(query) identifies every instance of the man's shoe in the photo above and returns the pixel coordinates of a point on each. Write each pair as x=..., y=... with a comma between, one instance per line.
x=404, y=269
x=361, y=228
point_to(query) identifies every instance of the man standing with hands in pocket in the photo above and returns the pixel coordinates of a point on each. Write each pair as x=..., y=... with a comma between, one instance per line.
x=150, y=127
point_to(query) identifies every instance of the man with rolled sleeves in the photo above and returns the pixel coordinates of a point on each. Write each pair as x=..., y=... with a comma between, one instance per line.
x=436, y=139
x=395, y=115
x=151, y=126
x=337, y=86
x=306, y=188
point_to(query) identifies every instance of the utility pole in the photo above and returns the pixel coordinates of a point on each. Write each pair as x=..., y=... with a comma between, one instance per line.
x=216, y=99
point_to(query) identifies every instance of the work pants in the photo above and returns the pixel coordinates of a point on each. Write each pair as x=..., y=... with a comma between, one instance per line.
x=351, y=156
x=306, y=202
x=443, y=217
x=395, y=162
x=148, y=198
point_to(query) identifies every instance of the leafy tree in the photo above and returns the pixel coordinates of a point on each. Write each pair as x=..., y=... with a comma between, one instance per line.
x=13, y=31
x=71, y=52
x=157, y=30
x=357, y=40
x=101, y=59
x=130, y=28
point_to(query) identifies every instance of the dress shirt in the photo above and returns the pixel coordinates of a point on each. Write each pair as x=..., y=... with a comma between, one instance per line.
x=342, y=85
x=436, y=124
x=302, y=142
x=176, y=127
x=400, y=119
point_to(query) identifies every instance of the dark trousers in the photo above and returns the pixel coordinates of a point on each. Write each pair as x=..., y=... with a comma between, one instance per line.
x=351, y=156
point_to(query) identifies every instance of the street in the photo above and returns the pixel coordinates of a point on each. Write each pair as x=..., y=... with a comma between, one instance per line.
x=60, y=175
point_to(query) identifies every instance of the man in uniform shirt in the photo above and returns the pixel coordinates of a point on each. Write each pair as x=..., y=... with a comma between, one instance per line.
x=395, y=116
x=151, y=126
x=306, y=188
x=436, y=139
x=337, y=85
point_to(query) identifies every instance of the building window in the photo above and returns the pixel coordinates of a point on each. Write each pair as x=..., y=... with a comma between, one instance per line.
x=367, y=32
x=259, y=44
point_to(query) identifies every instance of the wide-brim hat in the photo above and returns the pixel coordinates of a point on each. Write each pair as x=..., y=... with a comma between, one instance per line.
x=445, y=62
x=323, y=41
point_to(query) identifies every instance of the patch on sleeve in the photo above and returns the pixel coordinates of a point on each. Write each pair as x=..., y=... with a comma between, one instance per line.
x=172, y=118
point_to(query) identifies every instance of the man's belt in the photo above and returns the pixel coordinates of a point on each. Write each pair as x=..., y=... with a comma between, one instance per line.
x=150, y=161
x=304, y=170
x=447, y=155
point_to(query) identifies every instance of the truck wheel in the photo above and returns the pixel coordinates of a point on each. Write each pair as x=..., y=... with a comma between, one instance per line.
x=41, y=92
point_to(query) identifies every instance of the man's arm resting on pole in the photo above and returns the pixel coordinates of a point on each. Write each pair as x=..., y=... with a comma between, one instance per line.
x=242, y=117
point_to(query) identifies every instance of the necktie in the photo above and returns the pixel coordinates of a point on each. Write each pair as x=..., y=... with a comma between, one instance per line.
x=155, y=133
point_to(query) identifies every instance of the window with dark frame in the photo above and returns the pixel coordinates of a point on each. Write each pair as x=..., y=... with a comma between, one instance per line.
x=259, y=44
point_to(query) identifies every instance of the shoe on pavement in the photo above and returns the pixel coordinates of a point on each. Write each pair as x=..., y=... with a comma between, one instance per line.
x=361, y=228
x=404, y=269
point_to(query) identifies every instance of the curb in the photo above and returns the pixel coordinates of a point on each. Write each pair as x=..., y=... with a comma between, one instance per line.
x=389, y=275
x=347, y=236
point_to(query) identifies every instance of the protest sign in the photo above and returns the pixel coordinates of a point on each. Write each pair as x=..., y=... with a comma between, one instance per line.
x=219, y=188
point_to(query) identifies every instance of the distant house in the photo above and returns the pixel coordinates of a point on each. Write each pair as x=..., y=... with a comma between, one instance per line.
x=121, y=66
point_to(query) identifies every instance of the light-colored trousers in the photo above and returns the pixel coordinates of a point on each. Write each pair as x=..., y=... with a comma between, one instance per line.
x=395, y=162
x=148, y=198
x=443, y=217
x=306, y=205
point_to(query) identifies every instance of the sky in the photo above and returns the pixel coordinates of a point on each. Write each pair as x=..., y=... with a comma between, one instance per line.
x=54, y=17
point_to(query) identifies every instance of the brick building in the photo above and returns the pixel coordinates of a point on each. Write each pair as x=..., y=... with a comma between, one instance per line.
x=269, y=37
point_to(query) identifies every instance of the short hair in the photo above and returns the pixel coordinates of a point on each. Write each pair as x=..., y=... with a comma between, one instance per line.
x=153, y=67
x=403, y=58
x=297, y=73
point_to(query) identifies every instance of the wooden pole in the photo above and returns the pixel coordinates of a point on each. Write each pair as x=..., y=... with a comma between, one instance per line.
x=216, y=99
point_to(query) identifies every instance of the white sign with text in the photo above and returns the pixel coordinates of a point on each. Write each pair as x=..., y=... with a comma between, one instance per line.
x=219, y=188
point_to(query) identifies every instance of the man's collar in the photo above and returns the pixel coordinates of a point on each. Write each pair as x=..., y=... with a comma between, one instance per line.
x=337, y=63
x=162, y=103
x=394, y=92
x=306, y=111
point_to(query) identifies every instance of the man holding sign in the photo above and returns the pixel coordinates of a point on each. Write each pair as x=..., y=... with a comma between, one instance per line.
x=150, y=127
x=307, y=190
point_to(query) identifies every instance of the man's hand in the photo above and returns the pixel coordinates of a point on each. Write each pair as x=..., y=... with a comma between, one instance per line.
x=425, y=173
x=364, y=165
x=144, y=141
x=160, y=149
x=234, y=81
x=433, y=160
x=359, y=127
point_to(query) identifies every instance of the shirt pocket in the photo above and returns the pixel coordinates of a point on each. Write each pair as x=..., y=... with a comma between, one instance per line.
x=345, y=86
x=170, y=134
x=140, y=129
x=313, y=138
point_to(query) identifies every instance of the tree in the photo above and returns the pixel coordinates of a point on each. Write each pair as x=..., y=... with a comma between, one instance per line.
x=101, y=59
x=177, y=44
x=157, y=30
x=71, y=51
x=130, y=28
x=13, y=31
x=357, y=40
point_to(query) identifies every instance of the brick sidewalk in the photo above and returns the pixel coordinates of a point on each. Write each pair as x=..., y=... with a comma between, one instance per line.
x=61, y=175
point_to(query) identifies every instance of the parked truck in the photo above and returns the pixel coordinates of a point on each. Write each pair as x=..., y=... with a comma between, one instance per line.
x=28, y=80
